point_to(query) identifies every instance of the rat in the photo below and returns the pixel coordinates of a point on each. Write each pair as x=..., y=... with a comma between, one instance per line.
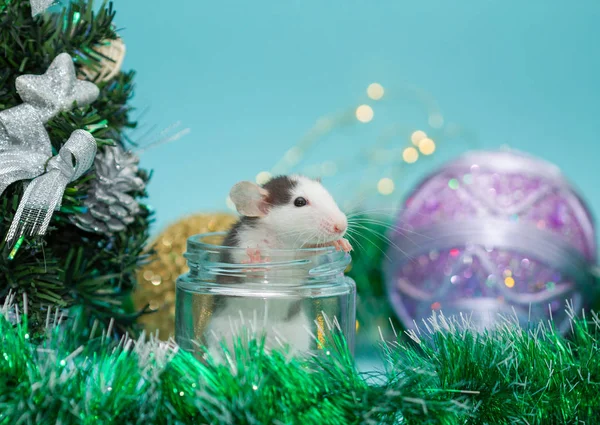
x=286, y=213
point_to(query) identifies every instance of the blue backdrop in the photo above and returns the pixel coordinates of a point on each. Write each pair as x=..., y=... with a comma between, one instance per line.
x=251, y=78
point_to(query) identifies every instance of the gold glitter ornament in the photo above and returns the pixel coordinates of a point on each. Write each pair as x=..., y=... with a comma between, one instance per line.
x=107, y=69
x=156, y=281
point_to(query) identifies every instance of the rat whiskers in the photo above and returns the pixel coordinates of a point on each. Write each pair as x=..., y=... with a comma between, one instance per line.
x=360, y=221
x=361, y=224
x=382, y=237
x=354, y=234
x=354, y=239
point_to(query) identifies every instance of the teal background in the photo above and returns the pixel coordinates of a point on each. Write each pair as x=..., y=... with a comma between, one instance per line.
x=250, y=78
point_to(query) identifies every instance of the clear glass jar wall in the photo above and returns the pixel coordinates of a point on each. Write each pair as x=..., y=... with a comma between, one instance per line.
x=294, y=297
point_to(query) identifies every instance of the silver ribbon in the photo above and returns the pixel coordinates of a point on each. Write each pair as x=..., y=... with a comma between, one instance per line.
x=497, y=233
x=44, y=194
x=24, y=145
x=38, y=6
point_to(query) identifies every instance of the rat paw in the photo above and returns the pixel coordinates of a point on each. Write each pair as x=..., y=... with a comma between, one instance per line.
x=254, y=257
x=342, y=244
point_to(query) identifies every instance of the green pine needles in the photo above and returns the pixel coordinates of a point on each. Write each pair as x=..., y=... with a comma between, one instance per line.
x=70, y=267
x=447, y=374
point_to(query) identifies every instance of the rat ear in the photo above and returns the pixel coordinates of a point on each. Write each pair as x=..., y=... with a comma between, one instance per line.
x=250, y=199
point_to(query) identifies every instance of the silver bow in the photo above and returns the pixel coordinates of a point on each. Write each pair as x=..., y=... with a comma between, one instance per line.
x=26, y=151
x=44, y=194
x=38, y=6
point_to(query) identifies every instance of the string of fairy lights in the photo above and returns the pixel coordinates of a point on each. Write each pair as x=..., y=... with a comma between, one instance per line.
x=418, y=143
x=398, y=144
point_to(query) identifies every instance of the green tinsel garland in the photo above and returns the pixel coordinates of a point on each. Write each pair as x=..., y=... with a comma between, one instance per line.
x=448, y=374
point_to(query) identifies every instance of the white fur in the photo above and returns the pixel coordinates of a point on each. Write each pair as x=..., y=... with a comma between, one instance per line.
x=284, y=227
x=260, y=315
x=290, y=227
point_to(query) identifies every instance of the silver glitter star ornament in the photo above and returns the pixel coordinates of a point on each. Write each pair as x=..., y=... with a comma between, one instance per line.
x=38, y=6
x=56, y=89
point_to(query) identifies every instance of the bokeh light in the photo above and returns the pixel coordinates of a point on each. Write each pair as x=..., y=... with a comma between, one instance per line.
x=417, y=136
x=427, y=146
x=324, y=124
x=263, y=177
x=364, y=113
x=410, y=155
x=230, y=204
x=509, y=282
x=375, y=91
x=293, y=155
x=436, y=120
x=385, y=186
x=328, y=168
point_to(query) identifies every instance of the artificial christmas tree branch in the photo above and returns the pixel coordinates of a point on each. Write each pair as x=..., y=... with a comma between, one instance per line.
x=77, y=270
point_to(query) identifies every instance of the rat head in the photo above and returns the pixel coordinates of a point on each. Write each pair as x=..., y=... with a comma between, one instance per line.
x=299, y=210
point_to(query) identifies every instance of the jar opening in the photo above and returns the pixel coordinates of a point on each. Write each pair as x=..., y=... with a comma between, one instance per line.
x=213, y=241
x=207, y=257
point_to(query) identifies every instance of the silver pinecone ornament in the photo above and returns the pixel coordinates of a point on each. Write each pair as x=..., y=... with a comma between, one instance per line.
x=109, y=206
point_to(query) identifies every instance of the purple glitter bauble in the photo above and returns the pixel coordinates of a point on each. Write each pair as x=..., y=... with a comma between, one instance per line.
x=490, y=233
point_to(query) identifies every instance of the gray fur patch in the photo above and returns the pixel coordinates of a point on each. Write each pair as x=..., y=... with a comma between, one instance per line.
x=280, y=190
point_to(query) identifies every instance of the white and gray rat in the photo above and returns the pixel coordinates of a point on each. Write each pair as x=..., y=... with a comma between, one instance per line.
x=286, y=213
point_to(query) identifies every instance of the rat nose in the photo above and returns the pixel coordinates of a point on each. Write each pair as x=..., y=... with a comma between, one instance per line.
x=340, y=227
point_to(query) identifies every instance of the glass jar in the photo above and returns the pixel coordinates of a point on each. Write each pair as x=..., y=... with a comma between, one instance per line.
x=294, y=298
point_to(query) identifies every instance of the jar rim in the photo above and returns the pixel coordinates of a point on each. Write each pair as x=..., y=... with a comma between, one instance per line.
x=315, y=264
x=195, y=242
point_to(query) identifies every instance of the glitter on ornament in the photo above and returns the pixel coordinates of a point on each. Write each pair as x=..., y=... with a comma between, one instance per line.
x=57, y=89
x=529, y=240
x=38, y=6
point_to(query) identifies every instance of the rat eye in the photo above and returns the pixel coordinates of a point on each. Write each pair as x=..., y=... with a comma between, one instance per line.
x=300, y=202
